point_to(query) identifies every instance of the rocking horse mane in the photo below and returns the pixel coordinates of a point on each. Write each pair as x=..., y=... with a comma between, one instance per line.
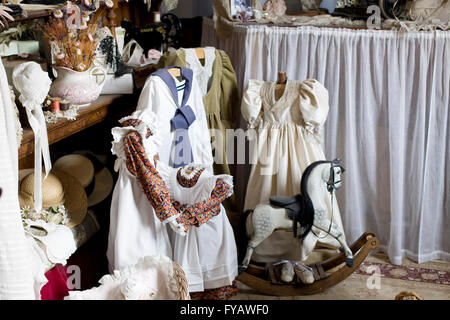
x=307, y=213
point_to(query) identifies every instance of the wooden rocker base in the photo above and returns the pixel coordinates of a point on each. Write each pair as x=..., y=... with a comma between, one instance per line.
x=253, y=277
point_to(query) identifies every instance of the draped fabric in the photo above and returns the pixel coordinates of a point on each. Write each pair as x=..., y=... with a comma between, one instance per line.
x=388, y=121
x=16, y=280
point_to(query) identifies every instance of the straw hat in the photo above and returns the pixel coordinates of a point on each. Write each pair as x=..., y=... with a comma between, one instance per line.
x=94, y=177
x=59, y=188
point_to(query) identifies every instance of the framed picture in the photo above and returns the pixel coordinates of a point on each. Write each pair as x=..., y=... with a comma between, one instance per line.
x=241, y=9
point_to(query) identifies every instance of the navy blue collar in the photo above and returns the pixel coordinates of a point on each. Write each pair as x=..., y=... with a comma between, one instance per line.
x=187, y=75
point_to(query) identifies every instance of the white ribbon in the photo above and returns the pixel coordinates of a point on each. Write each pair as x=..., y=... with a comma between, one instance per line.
x=33, y=84
x=37, y=122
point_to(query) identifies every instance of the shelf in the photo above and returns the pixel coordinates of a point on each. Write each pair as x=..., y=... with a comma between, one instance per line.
x=87, y=116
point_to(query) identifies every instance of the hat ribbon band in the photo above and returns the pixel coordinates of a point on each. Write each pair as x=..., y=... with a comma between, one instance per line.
x=37, y=122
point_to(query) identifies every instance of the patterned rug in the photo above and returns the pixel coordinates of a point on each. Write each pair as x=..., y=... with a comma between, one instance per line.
x=391, y=271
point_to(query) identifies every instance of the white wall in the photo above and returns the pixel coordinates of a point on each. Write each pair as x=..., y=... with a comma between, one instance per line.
x=195, y=8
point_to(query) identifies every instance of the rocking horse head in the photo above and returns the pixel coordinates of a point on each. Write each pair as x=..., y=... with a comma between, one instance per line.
x=314, y=178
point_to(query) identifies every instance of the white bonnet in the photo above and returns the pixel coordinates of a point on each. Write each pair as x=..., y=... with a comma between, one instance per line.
x=32, y=82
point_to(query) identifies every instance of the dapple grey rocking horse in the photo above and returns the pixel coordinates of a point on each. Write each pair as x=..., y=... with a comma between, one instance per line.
x=305, y=210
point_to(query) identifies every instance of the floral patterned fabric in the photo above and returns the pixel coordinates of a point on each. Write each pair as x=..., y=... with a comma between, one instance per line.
x=135, y=123
x=157, y=192
x=199, y=213
x=221, y=293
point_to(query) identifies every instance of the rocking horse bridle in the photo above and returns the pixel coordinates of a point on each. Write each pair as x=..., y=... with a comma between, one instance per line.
x=335, y=169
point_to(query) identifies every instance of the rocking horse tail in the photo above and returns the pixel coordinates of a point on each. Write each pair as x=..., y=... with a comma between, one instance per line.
x=241, y=236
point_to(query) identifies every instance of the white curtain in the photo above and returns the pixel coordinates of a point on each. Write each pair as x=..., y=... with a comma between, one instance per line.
x=389, y=121
x=16, y=281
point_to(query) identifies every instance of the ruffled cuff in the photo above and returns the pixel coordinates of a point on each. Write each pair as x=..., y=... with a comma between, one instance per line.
x=211, y=182
x=145, y=123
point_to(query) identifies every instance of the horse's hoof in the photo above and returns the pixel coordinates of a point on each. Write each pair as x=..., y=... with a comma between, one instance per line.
x=349, y=262
x=241, y=269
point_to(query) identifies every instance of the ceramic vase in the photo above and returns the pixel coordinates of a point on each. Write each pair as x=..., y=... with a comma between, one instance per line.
x=77, y=87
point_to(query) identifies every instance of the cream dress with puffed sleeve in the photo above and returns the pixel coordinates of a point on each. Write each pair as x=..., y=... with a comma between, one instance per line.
x=284, y=136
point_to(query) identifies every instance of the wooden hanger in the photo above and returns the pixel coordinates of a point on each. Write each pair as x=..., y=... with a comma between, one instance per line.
x=175, y=72
x=281, y=84
x=200, y=53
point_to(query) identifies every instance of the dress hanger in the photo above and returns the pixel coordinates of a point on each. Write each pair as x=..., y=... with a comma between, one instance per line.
x=281, y=84
x=175, y=72
x=200, y=53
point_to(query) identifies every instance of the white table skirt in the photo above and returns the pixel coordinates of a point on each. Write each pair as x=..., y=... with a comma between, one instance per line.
x=389, y=121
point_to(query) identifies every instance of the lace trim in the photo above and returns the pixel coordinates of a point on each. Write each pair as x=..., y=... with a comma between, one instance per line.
x=203, y=74
x=287, y=99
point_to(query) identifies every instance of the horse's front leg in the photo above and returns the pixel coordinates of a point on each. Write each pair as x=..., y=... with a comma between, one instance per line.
x=338, y=234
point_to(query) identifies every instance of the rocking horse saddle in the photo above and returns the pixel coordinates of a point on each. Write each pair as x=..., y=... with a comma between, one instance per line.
x=294, y=207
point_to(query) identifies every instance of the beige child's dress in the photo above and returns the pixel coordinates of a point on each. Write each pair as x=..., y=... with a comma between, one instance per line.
x=285, y=135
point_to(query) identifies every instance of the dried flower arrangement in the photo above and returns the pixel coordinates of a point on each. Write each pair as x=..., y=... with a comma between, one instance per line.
x=71, y=33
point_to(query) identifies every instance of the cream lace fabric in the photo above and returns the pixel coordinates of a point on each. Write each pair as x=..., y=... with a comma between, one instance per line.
x=203, y=74
x=151, y=278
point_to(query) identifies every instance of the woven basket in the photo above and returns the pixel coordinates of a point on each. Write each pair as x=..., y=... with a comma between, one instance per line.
x=180, y=277
x=406, y=295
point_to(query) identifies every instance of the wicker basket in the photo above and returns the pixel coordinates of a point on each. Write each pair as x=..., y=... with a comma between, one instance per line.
x=180, y=277
x=406, y=295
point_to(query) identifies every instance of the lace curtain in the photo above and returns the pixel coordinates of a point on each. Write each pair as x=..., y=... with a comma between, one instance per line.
x=389, y=121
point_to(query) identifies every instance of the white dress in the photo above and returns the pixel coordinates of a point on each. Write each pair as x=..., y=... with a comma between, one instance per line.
x=16, y=279
x=208, y=253
x=203, y=73
x=287, y=137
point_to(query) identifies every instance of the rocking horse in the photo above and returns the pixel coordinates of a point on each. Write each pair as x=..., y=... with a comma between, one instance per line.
x=304, y=211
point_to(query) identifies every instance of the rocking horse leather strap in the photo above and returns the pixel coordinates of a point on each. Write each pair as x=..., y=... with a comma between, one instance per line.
x=293, y=206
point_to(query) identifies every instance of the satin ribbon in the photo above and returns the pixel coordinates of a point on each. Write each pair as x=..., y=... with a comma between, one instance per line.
x=37, y=122
x=184, y=117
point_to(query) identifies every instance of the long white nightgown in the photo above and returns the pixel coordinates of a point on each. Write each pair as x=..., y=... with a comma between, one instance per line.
x=287, y=141
x=208, y=253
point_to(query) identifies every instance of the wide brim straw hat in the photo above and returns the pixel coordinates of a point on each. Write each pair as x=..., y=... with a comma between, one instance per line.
x=59, y=188
x=95, y=178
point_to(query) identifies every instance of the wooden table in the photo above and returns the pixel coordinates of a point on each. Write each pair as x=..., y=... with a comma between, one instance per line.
x=87, y=116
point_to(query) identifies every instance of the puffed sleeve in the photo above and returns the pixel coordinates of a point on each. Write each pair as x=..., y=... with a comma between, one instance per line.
x=141, y=121
x=313, y=105
x=251, y=102
x=229, y=98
